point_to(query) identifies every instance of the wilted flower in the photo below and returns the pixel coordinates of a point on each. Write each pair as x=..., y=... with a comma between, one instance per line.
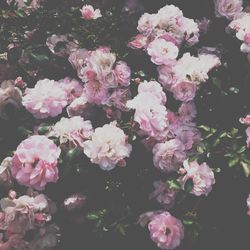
x=62, y=45
x=34, y=163
x=10, y=97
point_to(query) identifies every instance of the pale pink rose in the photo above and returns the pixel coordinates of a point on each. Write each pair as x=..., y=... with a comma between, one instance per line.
x=78, y=106
x=248, y=204
x=147, y=23
x=245, y=120
x=248, y=136
x=107, y=147
x=184, y=91
x=153, y=88
x=168, y=156
x=163, y=194
x=95, y=92
x=228, y=8
x=62, y=45
x=149, y=113
x=75, y=202
x=89, y=13
x=187, y=111
x=166, y=231
x=162, y=52
x=34, y=163
x=72, y=87
x=122, y=73
x=138, y=42
x=77, y=59
x=46, y=99
x=166, y=75
x=202, y=177
x=74, y=130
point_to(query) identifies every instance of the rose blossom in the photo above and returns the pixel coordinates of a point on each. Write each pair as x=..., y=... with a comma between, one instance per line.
x=77, y=58
x=74, y=130
x=78, y=106
x=184, y=91
x=122, y=73
x=147, y=23
x=248, y=204
x=153, y=88
x=46, y=99
x=163, y=194
x=166, y=231
x=89, y=13
x=162, y=52
x=150, y=114
x=168, y=156
x=228, y=8
x=107, y=147
x=138, y=42
x=245, y=120
x=202, y=177
x=34, y=162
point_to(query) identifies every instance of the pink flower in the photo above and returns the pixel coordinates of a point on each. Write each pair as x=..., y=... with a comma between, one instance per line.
x=147, y=23
x=89, y=13
x=122, y=73
x=27, y=8
x=153, y=88
x=162, y=52
x=74, y=130
x=138, y=42
x=248, y=136
x=149, y=113
x=166, y=231
x=72, y=87
x=184, y=91
x=228, y=8
x=201, y=175
x=75, y=202
x=166, y=75
x=248, y=204
x=46, y=99
x=107, y=147
x=77, y=59
x=245, y=120
x=34, y=163
x=6, y=179
x=168, y=156
x=187, y=111
x=163, y=194
x=95, y=92
x=203, y=24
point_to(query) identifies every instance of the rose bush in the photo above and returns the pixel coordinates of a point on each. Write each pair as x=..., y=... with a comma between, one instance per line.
x=124, y=124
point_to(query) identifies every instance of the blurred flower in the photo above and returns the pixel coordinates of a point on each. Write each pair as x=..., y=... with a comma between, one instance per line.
x=75, y=202
x=5, y=174
x=89, y=13
x=10, y=97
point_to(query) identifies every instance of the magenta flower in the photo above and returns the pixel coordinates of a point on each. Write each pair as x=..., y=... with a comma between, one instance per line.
x=34, y=163
x=168, y=156
x=166, y=231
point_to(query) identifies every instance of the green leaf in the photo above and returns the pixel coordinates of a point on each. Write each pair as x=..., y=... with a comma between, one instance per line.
x=188, y=187
x=233, y=162
x=39, y=57
x=174, y=184
x=187, y=222
x=246, y=168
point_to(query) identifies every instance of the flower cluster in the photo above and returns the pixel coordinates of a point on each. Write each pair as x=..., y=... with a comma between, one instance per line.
x=162, y=34
x=19, y=216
